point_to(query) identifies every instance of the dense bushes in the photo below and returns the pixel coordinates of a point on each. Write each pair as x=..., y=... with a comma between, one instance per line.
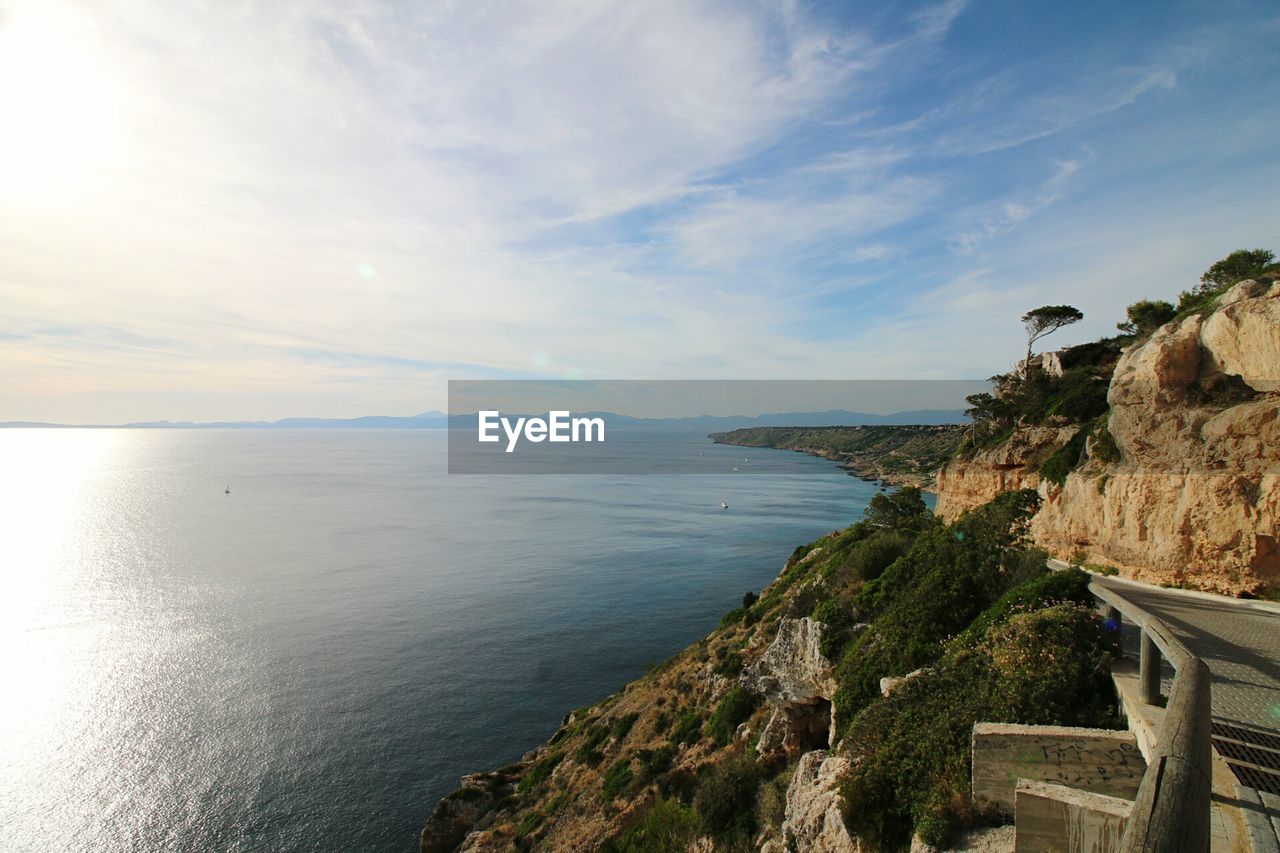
x=668, y=825
x=950, y=575
x=734, y=709
x=1064, y=459
x=688, y=728
x=1065, y=587
x=911, y=751
x=726, y=796
x=617, y=779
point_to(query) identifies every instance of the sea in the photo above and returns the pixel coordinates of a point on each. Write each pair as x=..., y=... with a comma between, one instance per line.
x=310, y=661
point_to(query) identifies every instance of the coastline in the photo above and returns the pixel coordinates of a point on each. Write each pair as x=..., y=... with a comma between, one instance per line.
x=886, y=455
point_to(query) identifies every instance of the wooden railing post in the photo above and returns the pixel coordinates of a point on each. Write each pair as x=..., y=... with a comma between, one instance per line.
x=1170, y=813
x=1149, y=670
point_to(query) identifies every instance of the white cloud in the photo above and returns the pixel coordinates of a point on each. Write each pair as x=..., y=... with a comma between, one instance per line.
x=593, y=187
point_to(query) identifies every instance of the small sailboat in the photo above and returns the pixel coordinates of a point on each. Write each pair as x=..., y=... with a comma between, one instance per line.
x=723, y=505
x=227, y=490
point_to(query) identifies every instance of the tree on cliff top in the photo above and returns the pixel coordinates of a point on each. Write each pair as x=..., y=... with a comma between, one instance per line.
x=1237, y=266
x=1044, y=321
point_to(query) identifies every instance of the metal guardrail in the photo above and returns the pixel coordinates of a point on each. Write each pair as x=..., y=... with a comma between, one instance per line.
x=1171, y=810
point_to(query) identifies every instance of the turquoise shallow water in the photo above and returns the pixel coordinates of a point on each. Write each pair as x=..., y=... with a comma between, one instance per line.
x=310, y=662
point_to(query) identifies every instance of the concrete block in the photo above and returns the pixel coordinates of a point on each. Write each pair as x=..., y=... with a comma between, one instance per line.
x=1056, y=819
x=1099, y=760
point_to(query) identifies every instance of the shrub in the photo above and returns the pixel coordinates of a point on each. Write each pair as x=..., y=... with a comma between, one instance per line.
x=734, y=709
x=540, y=771
x=654, y=762
x=530, y=824
x=1048, y=589
x=733, y=617
x=1145, y=316
x=668, y=825
x=1064, y=459
x=730, y=664
x=749, y=599
x=838, y=622
x=588, y=751
x=726, y=797
x=950, y=575
x=688, y=728
x=1104, y=447
x=622, y=725
x=617, y=779
x=867, y=558
x=911, y=750
x=771, y=804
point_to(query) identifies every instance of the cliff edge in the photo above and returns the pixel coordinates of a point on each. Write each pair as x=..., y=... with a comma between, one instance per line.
x=1179, y=482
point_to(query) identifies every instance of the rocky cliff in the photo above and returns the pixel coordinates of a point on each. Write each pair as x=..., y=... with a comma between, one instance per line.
x=1181, y=484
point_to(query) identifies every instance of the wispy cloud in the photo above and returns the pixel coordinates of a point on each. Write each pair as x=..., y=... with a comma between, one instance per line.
x=265, y=209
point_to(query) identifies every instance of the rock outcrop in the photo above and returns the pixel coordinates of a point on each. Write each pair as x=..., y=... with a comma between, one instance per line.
x=1194, y=498
x=1015, y=464
x=797, y=680
x=456, y=814
x=814, y=820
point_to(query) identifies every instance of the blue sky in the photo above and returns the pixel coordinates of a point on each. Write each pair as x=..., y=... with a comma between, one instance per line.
x=256, y=210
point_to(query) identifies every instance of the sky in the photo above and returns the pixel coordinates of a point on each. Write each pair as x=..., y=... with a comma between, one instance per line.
x=226, y=210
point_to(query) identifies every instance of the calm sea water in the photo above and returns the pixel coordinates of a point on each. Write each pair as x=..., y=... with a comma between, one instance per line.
x=310, y=662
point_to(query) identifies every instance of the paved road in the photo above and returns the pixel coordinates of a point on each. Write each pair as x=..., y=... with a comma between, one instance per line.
x=1240, y=642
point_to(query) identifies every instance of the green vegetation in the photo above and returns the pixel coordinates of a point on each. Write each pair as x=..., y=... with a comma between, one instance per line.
x=622, y=725
x=726, y=797
x=1237, y=266
x=617, y=779
x=1222, y=275
x=669, y=825
x=1064, y=459
x=588, y=751
x=688, y=728
x=968, y=608
x=1145, y=316
x=911, y=755
x=540, y=772
x=949, y=576
x=654, y=762
x=1078, y=396
x=734, y=709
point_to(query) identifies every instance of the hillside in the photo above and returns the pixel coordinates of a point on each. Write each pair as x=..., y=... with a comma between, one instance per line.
x=776, y=731
x=900, y=455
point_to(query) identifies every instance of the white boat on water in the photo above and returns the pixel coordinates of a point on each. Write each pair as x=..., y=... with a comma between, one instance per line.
x=723, y=505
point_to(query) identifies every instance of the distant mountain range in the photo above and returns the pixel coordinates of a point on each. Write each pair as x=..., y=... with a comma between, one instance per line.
x=440, y=420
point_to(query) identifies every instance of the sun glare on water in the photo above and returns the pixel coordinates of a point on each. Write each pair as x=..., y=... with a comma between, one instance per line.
x=62, y=111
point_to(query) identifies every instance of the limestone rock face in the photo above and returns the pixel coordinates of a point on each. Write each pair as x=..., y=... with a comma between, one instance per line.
x=966, y=483
x=797, y=680
x=1195, y=497
x=1195, y=413
x=453, y=818
x=813, y=805
x=1243, y=336
x=793, y=669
